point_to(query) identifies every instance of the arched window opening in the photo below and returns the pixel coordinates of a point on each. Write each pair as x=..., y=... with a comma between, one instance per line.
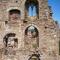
x=14, y=14
x=7, y=38
x=32, y=7
x=10, y=42
x=32, y=37
x=34, y=57
x=31, y=31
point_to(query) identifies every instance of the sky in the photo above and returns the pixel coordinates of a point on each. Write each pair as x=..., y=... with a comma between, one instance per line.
x=55, y=4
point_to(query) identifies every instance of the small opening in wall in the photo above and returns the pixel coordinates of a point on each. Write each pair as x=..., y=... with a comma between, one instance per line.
x=16, y=1
x=46, y=27
x=51, y=13
x=6, y=22
x=56, y=22
x=24, y=21
x=14, y=14
x=34, y=57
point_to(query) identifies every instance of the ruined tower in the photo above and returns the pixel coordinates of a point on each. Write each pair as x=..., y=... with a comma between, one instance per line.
x=27, y=31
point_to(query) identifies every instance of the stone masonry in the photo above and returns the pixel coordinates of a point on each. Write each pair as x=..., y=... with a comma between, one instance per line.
x=16, y=42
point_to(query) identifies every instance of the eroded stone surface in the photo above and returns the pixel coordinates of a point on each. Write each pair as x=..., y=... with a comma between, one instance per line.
x=27, y=47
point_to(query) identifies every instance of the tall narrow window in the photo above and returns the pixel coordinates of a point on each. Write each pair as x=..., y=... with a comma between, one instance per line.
x=32, y=37
x=32, y=10
x=32, y=7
